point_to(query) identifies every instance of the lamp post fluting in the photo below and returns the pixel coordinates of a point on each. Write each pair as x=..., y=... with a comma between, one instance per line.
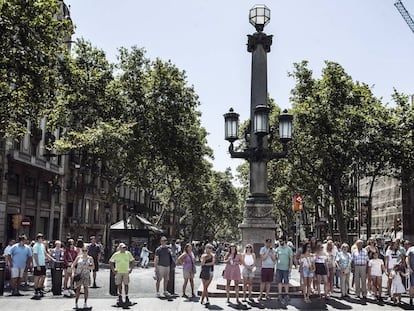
x=258, y=223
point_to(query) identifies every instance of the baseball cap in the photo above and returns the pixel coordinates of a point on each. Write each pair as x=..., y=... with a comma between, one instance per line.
x=122, y=245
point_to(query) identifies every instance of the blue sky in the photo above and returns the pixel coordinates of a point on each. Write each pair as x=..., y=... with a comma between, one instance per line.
x=207, y=39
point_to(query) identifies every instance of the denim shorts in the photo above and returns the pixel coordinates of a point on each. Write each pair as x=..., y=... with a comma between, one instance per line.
x=282, y=276
x=307, y=273
x=247, y=273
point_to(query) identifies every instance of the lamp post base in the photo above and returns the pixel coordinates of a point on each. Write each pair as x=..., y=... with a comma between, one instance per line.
x=258, y=224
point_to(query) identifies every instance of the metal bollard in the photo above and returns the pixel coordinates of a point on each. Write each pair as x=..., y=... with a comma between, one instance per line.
x=113, y=289
x=2, y=276
x=57, y=278
x=171, y=279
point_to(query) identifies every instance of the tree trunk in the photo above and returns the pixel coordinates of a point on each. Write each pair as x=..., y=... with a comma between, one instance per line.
x=342, y=227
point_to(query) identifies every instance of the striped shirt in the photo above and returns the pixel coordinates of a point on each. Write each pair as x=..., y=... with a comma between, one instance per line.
x=360, y=257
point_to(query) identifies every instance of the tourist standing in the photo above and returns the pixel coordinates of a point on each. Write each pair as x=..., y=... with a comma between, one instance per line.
x=39, y=265
x=232, y=271
x=162, y=263
x=68, y=258
x=392, y=257
x=94, y=250
x=19, y=259
x=397, y=286
x=331, y=251
x=187, y=259
x=321, y=270
x=83, y=265
x=145, y=253
x=376, y=269
x=284, y=256
x=343, y=263
x=122, y=263
x=307, y=270
x=207, y=271
x=371, y=248
x=360, y=262
x=249, y=266
x=268, y=258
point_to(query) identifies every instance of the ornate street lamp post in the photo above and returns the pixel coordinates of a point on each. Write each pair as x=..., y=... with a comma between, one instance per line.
x=258, y=223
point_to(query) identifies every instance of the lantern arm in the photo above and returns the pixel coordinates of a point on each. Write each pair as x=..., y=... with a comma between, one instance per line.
x=279, y=155
x=238, y=154
x=261, y=153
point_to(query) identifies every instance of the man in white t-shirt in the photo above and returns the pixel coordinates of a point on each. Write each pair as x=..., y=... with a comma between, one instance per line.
x=392, y=256
x=268, y=258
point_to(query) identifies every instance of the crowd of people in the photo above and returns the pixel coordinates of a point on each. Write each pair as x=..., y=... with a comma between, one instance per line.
x=361, y=266
x=79, y=262
x=322, y=265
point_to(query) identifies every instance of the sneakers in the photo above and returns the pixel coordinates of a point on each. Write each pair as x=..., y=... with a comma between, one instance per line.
x=76, y=306
x=158, y=295
x=66, y=293
x=71, y=292
x=85, y=305
x=167, y=294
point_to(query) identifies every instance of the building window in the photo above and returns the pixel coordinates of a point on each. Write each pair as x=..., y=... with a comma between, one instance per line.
x=69, y=209
x=30, y=187
x=45, y=192
x=13, y=184
x=96, y=213
x=87, y=208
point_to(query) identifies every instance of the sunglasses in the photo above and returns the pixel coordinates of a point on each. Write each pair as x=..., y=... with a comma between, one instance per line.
x=84, y=250
x=248, y=247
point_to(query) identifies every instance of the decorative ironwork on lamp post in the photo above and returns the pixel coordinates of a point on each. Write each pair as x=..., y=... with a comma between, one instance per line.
x=258, y=223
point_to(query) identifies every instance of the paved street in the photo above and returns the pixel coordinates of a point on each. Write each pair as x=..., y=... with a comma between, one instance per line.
x=142, y=291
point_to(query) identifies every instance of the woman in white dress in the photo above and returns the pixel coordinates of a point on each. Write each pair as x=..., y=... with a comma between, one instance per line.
x=397, y=286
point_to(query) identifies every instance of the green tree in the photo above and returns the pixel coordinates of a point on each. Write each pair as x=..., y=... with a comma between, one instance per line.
x=219, y=211
x=92, y=111
x=33, y=35
x=168, y=141
x=332, y=127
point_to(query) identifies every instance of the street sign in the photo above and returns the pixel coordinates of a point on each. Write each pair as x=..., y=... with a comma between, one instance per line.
x=297, y=203
x=26, y=222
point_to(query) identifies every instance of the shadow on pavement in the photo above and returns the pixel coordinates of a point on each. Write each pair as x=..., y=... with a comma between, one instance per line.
x=239, y=306
x=213, y=307
x=316, y=304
